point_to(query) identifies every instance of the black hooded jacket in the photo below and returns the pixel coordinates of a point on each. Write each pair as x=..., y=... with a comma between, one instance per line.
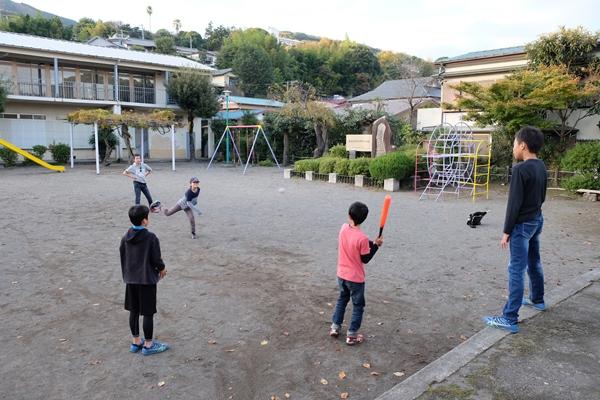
x=140, y=257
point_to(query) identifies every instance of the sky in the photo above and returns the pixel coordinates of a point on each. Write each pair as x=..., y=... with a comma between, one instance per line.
x=426, y=28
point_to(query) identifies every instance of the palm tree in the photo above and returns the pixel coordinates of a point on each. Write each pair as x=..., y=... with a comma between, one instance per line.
x=177, y=25
x=149, y=11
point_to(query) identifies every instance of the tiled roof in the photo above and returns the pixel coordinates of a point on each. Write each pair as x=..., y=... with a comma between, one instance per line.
x=401, y=88
x=483, y=54
x=19, y=40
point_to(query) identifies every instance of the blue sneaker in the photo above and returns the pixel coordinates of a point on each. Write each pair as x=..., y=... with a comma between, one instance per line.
x=157, y=347
x=501, y=323
x=538, y=306
x=134, y=348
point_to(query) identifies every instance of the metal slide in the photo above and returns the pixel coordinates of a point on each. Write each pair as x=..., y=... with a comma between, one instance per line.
x=10, y=146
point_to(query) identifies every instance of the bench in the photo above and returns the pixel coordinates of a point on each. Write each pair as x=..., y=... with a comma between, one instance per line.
x=588, y=194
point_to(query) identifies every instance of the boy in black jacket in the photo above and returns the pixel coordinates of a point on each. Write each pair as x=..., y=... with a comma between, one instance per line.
x=522, y=229
x=142, y=268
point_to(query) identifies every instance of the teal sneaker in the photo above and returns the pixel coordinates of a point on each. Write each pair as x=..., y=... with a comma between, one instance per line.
x=538, y=306
x=501, y=323
x=134, y=348
x=157, y=347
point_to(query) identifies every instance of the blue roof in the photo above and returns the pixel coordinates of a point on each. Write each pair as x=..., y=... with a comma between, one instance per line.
x=483, y=54
x=256, y=102
x=236, y=114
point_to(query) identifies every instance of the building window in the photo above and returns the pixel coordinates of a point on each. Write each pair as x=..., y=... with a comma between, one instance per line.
x=22, y=116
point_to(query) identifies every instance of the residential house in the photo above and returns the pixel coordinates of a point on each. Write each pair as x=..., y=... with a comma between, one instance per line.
x=130, y=43
x=47, y=79
x=484, y=67
x=401, y=98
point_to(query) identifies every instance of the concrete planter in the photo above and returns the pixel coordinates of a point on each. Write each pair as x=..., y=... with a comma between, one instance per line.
x=391, y=185
x=287, y=173
x=308, y=175
x=332, y=177
x=359, y=180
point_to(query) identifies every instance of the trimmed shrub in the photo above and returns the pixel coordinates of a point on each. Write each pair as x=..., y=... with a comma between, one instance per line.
x=342, y=166
x=327, y=165
x=339, y=150
x=266, y=163
x=359, y=166
x=398, y=165
x=39, y=150
x=60, y=153
x=311, y=164
x=585, y=181
x=584, y=158
x=9, y=157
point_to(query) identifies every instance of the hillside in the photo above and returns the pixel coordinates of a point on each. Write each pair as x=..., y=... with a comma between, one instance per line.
x=8, y=7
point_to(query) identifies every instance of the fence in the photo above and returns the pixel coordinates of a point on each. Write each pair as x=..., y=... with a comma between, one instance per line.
x=367, y=181
x=555, y=176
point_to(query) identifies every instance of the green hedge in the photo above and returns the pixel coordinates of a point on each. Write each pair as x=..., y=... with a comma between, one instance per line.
x=584, y=158
x=339, y=150
x=327, y=164
x=342, y=166
x=311, y=164
x=359, y=166
x=585, y=181
x=398, y=165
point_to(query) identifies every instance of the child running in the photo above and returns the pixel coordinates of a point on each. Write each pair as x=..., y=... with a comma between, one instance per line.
x=522, y=229
x=142, y=267
x=354, y=250
x=189, y=204
x=138, y=171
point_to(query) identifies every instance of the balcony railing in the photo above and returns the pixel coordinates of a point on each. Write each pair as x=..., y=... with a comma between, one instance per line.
x=85, y=91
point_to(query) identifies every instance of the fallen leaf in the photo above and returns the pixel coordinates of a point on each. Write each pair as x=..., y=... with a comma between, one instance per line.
x=367, y=365
x=374, y=373
x=330, y=305
x=321, y=312
x=230, y=350
x=286, y=333
x=62, y=340
x=96, y=304
x=274, y=398
x=161, y=383
x=399, y=374
x=463, y=337
x=380, y=323
x=386, y=302
x=344, y=395
x=342, y=375
x=287, y=395
x=95, y=362
x=212, y=341
x=324, y=381
x=264, y=343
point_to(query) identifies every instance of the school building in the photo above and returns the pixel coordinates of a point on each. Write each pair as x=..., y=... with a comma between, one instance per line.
x=46, y=79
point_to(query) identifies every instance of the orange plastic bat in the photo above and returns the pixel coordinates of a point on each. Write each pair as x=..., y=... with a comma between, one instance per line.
x=384, y=212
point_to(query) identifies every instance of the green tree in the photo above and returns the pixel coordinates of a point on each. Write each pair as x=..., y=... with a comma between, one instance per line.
x=165, y=45
x=572, y=48
x=183, y=39
x=215, y=36
x=193, y=92
x=37, y=25
x=253, y=66
x=401, y=66
x=87, y=28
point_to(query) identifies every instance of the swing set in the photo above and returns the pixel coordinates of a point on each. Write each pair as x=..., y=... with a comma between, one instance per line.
x=229, y=134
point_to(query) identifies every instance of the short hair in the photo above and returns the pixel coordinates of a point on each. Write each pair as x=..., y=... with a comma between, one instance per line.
x=532, y=137
x=358, y=212
x=137, y=214
x=136, y=155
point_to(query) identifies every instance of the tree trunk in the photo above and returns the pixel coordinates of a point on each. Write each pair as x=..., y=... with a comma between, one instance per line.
x=191, y=137
x=127, y=137
x=320, y=134
x=107, y=150
x=286, y=145
x=325, y=136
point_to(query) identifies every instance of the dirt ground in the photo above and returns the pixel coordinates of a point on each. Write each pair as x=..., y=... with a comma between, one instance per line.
x=246, y=307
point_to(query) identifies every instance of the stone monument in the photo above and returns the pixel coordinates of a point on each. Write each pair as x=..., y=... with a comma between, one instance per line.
x=382, y=137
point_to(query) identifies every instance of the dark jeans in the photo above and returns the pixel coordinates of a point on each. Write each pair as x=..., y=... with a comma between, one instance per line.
x=140, y=188
x=356, y=292
x=524, y=256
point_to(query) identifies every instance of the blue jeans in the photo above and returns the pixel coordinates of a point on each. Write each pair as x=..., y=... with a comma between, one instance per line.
x=356, y=292
x=138, y=189
x=524, y=256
